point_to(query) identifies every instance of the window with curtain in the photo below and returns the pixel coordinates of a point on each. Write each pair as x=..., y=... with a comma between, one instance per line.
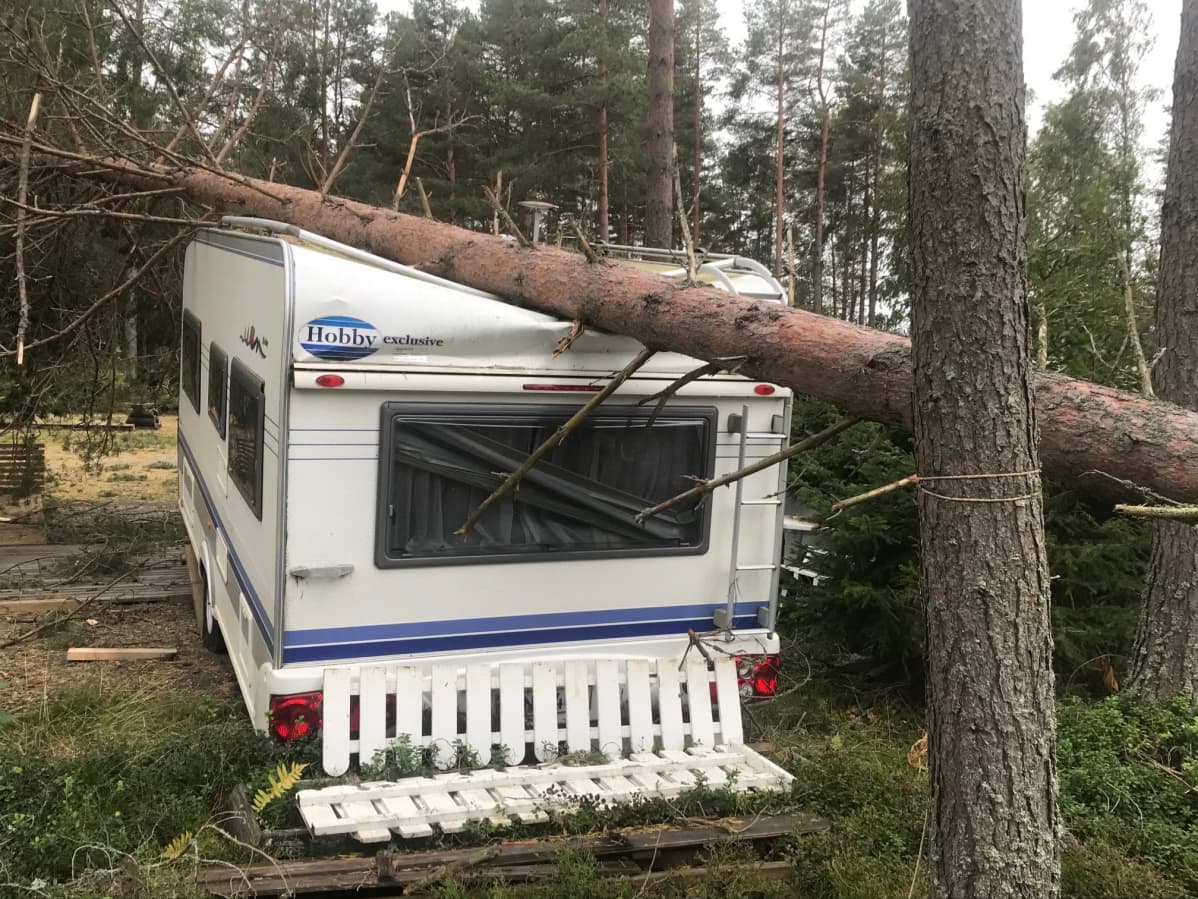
x=440, y=461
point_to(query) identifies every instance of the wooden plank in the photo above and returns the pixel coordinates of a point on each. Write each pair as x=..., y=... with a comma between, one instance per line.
x=39, y=606
x=544, y=711
x=511, y=711
x=196, y=583
x=404, y=809
x=669, y=704
x=409, y=704
x=119, y=654
x=640, y=707
x=728, y=696
x=335, y=729
x=444, y=699
x=365, y=813
x=372, y=712
x=698, y=696
x=607, y=695
x=578, y=707
x=478, y=712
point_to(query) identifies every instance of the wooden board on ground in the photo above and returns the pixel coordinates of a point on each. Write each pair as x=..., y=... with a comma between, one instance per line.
x=635, y=852
x=119, y=654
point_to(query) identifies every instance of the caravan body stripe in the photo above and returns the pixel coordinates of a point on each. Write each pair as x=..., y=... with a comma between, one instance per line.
x=239, y=572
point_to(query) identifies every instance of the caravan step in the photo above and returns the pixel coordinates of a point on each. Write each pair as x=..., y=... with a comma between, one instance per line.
x=616, y=707
x=413, y=806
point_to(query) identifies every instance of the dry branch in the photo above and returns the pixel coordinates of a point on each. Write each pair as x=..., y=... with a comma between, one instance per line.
x=22, y=196
x=877, y=491
x=1165, y=513
x=706, y=487
x=536, y=455
x=343, y=156
x=493, y=199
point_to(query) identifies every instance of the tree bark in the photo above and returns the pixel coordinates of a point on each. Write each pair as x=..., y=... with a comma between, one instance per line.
x=659, y=203
x=1165, y=657
x=1089, y=433
x=697, y=162
x=603, y=194
x=993, y=815
x=779, y=157
x=817, y=252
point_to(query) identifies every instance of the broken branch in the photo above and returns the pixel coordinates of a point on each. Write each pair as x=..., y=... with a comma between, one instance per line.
x=493, y=199
x=877, y=491
x=1164, y=513
x=575, y=420
x=706, y=487
x=22, y=194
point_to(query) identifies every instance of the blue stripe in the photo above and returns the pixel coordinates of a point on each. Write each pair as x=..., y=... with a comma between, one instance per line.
x=239, y=572
x=664, y=615
x=488, y=641
x=247, y=255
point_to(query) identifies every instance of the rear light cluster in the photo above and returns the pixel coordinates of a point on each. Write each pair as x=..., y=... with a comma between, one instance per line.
x=757, y=676
x=300, y=715
x=297, y=716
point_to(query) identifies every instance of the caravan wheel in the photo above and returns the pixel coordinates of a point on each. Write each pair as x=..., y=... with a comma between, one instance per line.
x=210, y=633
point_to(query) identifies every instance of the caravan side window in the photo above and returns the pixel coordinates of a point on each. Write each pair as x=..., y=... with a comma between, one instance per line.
x=247, y=415
x=189, y=359
x=218, y=387
x=439, y=461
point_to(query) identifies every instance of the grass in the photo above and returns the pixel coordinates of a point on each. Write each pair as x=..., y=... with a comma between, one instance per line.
x=94, y=788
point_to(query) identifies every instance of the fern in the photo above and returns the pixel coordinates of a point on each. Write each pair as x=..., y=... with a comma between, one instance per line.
x=281, y=781
x=176, y=846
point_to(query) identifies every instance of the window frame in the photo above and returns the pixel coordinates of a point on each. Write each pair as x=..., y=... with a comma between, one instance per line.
x=191, y=322
x=240, y=376
x=221, y=416
x=556, y=413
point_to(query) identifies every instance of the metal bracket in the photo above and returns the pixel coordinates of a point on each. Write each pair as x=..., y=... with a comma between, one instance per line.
x=735, y=423
x=720, y=620
x=321, y=572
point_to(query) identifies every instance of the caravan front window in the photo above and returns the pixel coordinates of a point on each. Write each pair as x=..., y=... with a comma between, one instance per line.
x=440, y=461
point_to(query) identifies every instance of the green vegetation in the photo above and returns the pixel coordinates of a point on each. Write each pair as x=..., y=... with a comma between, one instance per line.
x=95, y=789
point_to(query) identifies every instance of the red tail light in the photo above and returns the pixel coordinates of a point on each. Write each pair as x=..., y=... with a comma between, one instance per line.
x=295, y=717
x=329, y=380
x=757, y=676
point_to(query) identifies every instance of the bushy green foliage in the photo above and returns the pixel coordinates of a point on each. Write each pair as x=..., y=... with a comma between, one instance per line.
x=1129, y=778
x=866, y=616
x=89, y=776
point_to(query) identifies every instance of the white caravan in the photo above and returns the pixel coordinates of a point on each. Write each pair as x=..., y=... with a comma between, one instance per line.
x=340, y=417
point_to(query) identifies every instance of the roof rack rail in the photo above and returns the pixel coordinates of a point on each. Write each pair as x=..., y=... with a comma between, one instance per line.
x=725, y=269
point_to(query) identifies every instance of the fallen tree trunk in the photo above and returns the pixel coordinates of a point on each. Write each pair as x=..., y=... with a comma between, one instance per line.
x=1101, y=439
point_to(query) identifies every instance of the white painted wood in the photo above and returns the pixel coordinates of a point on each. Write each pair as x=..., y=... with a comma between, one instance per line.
x=336, y=721
x=607, y=694
x=728, y=697
x=444, y=700
x=698, y=692
x=407, y=817
x=511, y=712
x=578, y=707
x=640, y=706
x=364, y=812
x=478, y=712
x=544, y=711
x=669, y=704
x=372, y=712
x=409, y=704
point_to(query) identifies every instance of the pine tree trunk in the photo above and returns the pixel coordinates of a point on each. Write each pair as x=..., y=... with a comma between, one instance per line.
x=817, y=252
x=659, y=204
x=1165, y=658
x=993, y=815
x=603, y=195
x=779, y=158
x=698, y=149
x=1086, y=428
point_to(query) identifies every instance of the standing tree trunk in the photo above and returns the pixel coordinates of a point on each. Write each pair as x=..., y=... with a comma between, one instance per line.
x=779, y=158
x=991, y=732
x=817, y=252
x=659, y=205
x=603, y=197
x=698, y=149
x=1165, y=658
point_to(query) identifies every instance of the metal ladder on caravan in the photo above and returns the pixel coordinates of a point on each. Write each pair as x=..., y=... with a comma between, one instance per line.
x=723, y=619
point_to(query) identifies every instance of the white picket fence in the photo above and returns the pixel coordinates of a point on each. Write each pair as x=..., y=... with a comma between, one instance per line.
x=604, y=705
x=412, y=807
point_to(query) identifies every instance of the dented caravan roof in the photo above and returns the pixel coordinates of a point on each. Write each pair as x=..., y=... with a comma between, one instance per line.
x=350, y=308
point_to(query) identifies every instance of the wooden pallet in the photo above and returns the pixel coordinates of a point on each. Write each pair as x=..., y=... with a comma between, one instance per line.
x=612, y=706
x=22, y=468
x=649, y=853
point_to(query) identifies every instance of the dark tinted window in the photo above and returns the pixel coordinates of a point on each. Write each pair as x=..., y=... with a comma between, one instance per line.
x=441, y=461
x=189, y=359
x=247, y=413
x=218, y=386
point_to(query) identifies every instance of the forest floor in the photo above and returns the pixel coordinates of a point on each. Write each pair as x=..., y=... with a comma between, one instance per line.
x=103, y=765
